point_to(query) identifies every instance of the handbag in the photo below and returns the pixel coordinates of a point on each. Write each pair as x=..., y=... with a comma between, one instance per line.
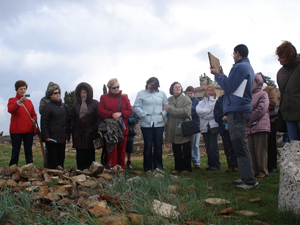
x=281, y=125
x=273, y=112
x=98, y=141
x=102, y=127
x=190, y=127
x=36, y=129
x=132, y=130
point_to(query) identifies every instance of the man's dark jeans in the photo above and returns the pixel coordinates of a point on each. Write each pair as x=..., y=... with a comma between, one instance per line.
x=152, y=135
x=16, y=141
x=237, y=130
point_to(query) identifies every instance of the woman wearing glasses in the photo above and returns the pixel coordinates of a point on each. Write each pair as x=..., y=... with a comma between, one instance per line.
x=84, y=125
x=55, y=128
x=108, y=108
x=149, y=107
x=179, y=110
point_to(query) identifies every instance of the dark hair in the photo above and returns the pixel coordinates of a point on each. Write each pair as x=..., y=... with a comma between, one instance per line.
x=151, y=80
x=189, y=89
x=20, y=83
x=286, y=51
x=172, y=87
x=242, y=49
x=263, y=77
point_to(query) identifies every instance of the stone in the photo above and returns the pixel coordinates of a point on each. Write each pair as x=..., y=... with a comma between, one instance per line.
x=52, y=197
x=149, y=173
x=138, y=172
x=216, y=201
x=96, y=210
x=158, y=171
x=96, y=168
x=105, y=176
x=90, y=183
x=12, y=169
x=11, y=183
x=289, y=185
x=133, y=179
x=247, y=212
x=165, y=210
x=79, y=178
x=26, y=168
x=136, y=219
x=115, y=219
x=173, y=188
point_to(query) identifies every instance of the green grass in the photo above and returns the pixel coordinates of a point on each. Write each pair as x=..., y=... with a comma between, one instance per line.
x=142, y=193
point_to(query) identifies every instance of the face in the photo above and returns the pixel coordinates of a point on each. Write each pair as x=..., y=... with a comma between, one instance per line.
x=190, y=94
x=55, y=95
x=21, y=90
x=209, y=92
x=254, y=85
x=177, y=89
x=235, y=56
x=83, y=94
x=150, y=87
x=283, y=61
x=115, y=88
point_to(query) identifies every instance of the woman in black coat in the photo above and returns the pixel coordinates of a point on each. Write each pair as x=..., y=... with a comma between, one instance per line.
x=84, y=125
x=55, y=128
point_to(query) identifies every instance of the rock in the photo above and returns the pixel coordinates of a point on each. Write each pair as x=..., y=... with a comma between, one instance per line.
x=90, y=183
x=159, y=175
x=11, y=183
x=96, y=168
x=44, y=190
x=79, y=178
x=26, y=168
x=96, y=210
x=149, y=173
x=68, y=187
x=24, y=184
x=15, y=177
x=217, y=201
x=136, y=219
x=158, y=171
x=133, y=179
x=2, y=183
x=137, y=172
x=247, y=212
x=105, y=176
x=32, y=188
x=12, y=169
x=289, y=186
x=107, y=197
x=115, y=219
x=164, y=209
x=174, y=178
x=47, y=177
x=63, y=182
x=53, y=197
x=173, y=188
x=192, y=187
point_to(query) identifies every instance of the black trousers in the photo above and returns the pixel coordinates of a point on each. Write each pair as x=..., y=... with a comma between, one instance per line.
x=84, y=158
x=16, y=141
x=229, y=152
x=272, y=146
x=56, y=155
x=182, y=154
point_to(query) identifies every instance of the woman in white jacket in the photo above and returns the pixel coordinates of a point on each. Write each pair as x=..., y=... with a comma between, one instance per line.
x=209, y=127
x=148, y=106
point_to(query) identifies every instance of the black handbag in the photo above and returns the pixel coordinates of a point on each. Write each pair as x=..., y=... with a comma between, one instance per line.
x=190, y=127
x=281, y=126
x=102, y=127
x=273, y=112
x=132, y=129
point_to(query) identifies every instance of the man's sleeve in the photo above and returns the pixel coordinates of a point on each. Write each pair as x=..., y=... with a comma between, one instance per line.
x=232, y=82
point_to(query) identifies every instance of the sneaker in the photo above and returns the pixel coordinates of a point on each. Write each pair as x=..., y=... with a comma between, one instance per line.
x=237, y=182
x=230, y=169
x=197, y=167
x=212, y=168
x=244, y=186
x=129, y=165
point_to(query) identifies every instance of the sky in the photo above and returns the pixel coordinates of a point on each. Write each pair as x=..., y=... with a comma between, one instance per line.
x=73, y=41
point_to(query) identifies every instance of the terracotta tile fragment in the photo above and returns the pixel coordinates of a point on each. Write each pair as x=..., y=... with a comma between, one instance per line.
x=255, y=200
x=96, y=210
x=226, y=211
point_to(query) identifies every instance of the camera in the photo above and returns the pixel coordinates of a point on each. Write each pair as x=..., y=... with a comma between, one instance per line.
x=27, y=95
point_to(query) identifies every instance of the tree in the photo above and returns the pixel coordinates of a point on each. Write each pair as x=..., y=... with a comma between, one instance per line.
x=268, y=80
x=69, y=100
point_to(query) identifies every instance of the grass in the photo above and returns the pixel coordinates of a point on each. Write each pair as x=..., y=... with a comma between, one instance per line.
x=209, y=184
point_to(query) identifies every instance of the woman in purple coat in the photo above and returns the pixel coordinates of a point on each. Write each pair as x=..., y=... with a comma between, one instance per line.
x=258, y=128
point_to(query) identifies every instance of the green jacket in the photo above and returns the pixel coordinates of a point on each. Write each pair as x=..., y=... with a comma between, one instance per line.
x=290, y=104
x=179, y=110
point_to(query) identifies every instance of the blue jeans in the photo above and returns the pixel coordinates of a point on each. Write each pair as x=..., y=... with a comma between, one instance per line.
x=152, y=135
x=195, y=149
x=293, y=128
x=212, y=148
x=16, y=141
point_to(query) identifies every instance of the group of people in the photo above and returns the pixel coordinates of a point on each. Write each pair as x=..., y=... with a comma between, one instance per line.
x=233, y=115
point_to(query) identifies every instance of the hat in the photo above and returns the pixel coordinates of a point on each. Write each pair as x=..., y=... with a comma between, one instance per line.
x=51, y=89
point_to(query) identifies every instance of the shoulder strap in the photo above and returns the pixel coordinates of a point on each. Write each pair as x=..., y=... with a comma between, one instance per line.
x=120, y=103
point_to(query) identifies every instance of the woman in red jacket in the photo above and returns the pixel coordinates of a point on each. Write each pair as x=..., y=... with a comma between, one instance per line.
x=108, y=108
x=21, y=126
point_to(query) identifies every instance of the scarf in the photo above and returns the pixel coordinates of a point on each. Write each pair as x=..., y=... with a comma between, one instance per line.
x=83, y=109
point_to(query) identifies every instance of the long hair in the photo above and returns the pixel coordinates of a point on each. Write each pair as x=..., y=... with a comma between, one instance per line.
x=156, y=83
x=214, y=90
x=286, y=51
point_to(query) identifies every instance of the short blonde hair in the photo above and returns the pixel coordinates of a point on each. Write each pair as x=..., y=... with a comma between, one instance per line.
x=214, y=90
x=111, y=82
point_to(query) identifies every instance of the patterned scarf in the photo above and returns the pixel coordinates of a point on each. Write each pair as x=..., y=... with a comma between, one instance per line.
x=83, y=109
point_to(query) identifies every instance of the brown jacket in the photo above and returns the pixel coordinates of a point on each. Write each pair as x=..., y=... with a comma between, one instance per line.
x=271, y=91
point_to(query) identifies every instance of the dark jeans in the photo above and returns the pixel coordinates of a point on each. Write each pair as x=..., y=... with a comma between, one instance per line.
x=182, y=154
x=293, y=128
x=229, y=152
x=16, y=141
x=212, y=148
x=152, y=135
x=84, y=158
x=272, y=146
x=56, y=155
x=237, y=131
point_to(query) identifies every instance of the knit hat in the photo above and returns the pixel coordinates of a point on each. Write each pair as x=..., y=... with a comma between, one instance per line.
x=189, y=89
x=20, y=83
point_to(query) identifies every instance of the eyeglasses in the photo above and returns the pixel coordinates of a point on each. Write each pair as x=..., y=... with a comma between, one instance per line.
x=55, y=93
x=178, y=87
x=114, y=88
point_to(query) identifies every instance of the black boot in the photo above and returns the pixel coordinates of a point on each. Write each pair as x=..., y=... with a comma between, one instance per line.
x=129, y=165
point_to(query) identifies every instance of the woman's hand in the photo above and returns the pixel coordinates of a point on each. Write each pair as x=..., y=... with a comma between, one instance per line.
x=47, y=139
x=166, y=107
x=116, y=116
x=224, y=118
x=23, y=99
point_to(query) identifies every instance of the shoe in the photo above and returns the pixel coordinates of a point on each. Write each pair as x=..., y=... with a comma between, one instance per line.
x=244, y=186
x=236, y=169
x=129, y=165
x=261, y=176
x=197, y=167
x=212, y=168
x=185, y=171
x=273, y=170
x=237, y=182
x=175, y=172
x=230, y=169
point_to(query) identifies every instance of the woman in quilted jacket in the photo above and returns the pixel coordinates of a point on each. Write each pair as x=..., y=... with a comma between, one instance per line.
x=258, y=128
x=21, y=126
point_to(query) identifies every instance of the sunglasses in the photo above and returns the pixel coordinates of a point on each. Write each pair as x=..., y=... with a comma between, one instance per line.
x=115, y=87
x=55, y=93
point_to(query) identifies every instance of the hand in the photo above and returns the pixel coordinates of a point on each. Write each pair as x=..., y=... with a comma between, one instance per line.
x=166, y=107
x=224, y=118
x=248, y=125
x=116, y=116
x=214, y=70
x=23, y=99
x=221, y=70
x=47, y=139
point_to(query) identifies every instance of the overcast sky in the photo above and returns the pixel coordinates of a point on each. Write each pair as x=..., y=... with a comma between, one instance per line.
x=69, y=42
